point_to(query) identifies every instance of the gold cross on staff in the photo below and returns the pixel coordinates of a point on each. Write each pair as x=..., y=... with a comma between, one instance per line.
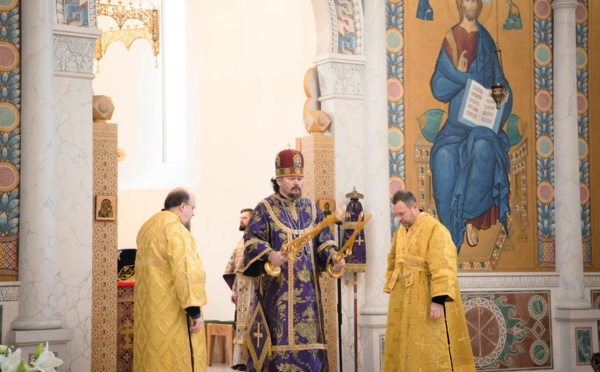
x=360, y=225
x=346, y=250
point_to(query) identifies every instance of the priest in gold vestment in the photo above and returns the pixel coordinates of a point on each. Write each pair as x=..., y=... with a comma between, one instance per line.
x=426, y=327
x=169, y=291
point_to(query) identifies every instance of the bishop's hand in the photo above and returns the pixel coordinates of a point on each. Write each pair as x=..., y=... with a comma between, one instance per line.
x=339, y=264
x=277, y=259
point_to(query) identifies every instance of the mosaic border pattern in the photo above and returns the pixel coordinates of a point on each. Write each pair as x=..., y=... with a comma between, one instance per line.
x=582, y=58
x=10, y=138
x=394, y=19
x=544, y=130
x=543, y=28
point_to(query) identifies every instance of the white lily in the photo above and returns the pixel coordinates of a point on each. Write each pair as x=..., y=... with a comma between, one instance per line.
x=11, y=362
x=47, y=361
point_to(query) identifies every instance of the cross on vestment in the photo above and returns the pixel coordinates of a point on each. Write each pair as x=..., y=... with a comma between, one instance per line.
x=439, y=332
x=464, y=338
x=437, y=362
x=454, y=310
x=359, y=240
x=127, y=331
x=422, y=343
x=258, y=334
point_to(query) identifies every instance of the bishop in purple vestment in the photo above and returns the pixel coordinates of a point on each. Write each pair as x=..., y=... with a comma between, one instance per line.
x=289, y=305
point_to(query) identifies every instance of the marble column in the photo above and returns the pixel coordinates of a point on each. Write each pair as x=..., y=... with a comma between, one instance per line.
x=569, y=256
x=37, y=244
x=373, y=313
x=572, y=308
x=341, y=84
x=55, y=262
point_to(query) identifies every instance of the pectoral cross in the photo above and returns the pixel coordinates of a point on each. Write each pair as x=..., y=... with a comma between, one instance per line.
x=258, y=334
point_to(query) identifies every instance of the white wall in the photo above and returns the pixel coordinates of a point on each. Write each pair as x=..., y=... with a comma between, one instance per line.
x=246, y=66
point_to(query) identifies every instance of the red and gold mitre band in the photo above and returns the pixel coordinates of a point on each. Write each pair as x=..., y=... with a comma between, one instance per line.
x=289, y=163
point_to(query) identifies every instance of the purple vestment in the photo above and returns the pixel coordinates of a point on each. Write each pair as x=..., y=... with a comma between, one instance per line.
x=291, y=302
x=357, y=261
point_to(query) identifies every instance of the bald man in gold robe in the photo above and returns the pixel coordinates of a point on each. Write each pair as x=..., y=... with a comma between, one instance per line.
x=426, y=327
x=169, y=291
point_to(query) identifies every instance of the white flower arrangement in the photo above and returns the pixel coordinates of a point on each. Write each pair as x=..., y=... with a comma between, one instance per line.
x=43, y=360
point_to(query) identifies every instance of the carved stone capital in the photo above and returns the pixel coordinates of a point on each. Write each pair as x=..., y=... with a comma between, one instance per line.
x=74, y=51
x=341, y=76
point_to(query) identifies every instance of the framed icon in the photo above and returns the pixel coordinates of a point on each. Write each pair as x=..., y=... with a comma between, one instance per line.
x=327, y=206
x=106, y=206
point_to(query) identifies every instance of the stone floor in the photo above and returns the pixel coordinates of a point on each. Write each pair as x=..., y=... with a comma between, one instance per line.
x=220, y=367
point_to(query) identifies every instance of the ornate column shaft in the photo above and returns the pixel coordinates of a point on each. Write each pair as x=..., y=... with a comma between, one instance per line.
x=569, y=256
x=373, y=314
x=341, y=95
x=37, y=245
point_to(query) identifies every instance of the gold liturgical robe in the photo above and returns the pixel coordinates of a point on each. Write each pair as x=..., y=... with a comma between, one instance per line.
x=169, y=278
x=422, y=265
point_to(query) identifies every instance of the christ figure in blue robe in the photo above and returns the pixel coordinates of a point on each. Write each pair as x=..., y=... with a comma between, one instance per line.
x=469, y=165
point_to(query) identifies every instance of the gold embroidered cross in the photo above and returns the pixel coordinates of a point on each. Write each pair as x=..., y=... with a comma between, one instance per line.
x=422, y=343
x=438, y=331
x=127, y=331
x=454, y=309
x=436, y=361
x=258, y=334
x=464, y=338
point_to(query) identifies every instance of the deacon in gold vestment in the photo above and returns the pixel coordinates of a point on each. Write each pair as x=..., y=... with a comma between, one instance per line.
x=426, y=327
x=169, y=291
